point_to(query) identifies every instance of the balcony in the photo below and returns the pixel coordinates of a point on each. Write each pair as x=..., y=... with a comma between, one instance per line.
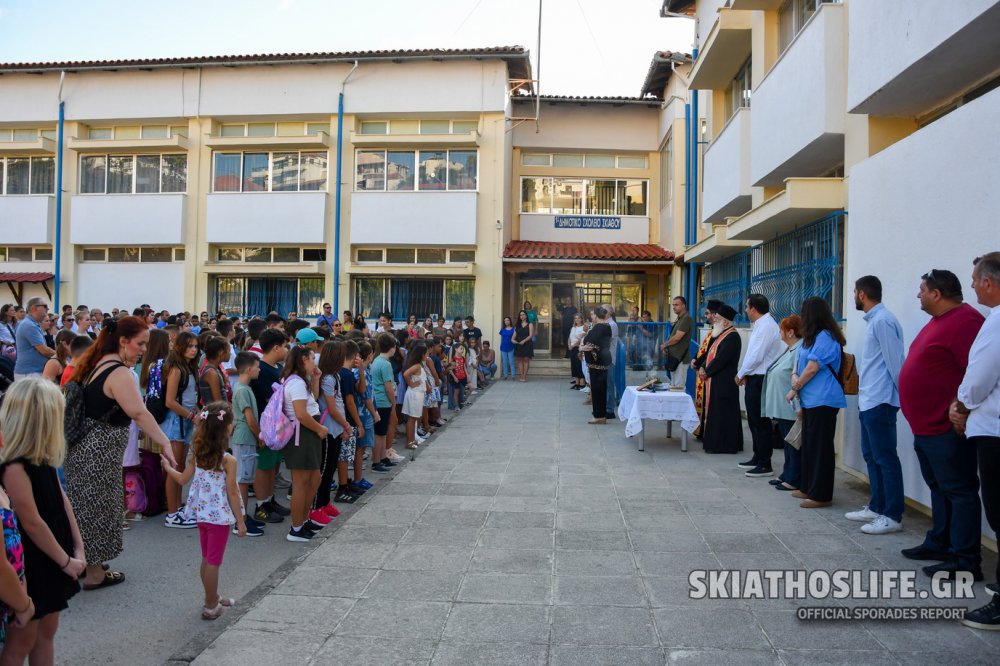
x=584, y=228
x=414, y=218
x=467, y=140
x=798, y=120
x=940, y=54
x=266, y=217
x=723, y=52
x=40, y=146
x=175, y=143
x=27, y=220
x=803, y=200
x=726, y=189
x=715, y=247
x=128, y=219
x=315, y=141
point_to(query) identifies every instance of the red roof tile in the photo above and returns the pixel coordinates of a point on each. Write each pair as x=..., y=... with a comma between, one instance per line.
x=25, y=277
x=586, y=251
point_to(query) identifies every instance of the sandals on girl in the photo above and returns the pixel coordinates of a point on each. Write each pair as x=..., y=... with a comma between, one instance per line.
x=213, y=613
x=411, y=445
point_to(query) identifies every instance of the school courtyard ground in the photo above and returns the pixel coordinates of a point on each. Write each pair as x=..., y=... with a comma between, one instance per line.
x=521, y=535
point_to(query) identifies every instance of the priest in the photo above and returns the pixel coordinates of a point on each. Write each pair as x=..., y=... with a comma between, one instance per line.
x=711, y=307
x=723, y=432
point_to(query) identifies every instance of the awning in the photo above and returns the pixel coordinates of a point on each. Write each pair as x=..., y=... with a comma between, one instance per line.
x=16, y=281
x=592, y=252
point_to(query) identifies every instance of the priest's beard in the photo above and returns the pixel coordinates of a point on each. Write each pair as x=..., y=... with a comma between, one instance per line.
x=717, y=328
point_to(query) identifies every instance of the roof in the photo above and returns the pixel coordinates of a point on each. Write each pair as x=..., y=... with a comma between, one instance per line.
x=586, y=251
x=660, y=69
x=515, y=56
x=677, y=7
x=25, y=277
x=584, y=100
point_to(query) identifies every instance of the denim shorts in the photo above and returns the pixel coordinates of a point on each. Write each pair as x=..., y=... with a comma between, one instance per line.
x=246, y=461
x=177, y=429
x=368, y=441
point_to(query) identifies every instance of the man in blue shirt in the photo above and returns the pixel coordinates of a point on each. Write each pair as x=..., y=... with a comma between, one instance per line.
x=32, y=352
x=878, y=404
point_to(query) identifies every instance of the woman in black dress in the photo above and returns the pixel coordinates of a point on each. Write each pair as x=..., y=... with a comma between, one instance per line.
x=33, y=447
x=597, y=350
x=524, y=348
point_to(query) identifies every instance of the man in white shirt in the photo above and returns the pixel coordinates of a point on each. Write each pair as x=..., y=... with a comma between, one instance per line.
x=977, y=413
x=764, y=348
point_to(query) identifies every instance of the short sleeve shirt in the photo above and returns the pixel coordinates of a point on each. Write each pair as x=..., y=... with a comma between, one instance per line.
x=824, y=389
x=347, y=384
x=329, y=387
x=472, y=333
x=682, y=350
x=261, y=386
x=381, y=373
x=296, y=389
x=29, y=335
x=242, y=399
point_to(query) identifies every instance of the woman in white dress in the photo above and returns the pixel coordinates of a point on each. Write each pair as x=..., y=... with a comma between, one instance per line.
x=416, y=383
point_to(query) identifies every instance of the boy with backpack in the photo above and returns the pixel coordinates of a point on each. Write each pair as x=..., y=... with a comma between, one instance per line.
x=245, y=439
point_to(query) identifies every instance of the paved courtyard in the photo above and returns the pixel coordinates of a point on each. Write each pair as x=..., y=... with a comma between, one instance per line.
x=521, y=535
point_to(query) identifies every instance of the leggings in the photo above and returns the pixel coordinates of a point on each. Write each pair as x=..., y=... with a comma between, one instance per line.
x=328, y=467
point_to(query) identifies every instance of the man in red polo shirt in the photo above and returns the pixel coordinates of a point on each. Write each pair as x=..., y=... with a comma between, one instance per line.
x=928, y=383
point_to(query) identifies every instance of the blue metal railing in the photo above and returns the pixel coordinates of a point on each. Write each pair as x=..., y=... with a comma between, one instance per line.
x=729, y=281
x=642, y=342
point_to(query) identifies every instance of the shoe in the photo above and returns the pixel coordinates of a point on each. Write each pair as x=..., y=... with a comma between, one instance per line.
x=798, y=494
x=785, y=487
x=993, y=588
x=250, y=492
x=272, y=505
x=312, y=526
x=265, y=516
x=252, y=531
x=319, y=517
x=344, y=497
x=418, y=439
x=367, y=455
x=775, y=482
x=863, y=515
x=760, y=471
x=176, y=520
x=813, y=504
x=882, y=525
x=356, y=489
x=396, y=458
x=331, y=510
x=387, y=462
x=597, y=421
x=922, y=552
x=949, y=569
x=438, y=424
x=422, y=433
x=986, y=617
x=379, y=467
x=362, y=483
x=750, y=464
x=250, y=520
x=301, y=535
x=288, y=495
x=586, y=389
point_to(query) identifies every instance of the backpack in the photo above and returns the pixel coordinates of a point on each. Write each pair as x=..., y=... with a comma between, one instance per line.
x=848, y=376
x=156, y=401
x=135, y=490
x=145, y=486
x=74, y=420
x=276, y=429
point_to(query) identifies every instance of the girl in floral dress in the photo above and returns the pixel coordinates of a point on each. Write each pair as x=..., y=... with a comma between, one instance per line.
x=214, y=500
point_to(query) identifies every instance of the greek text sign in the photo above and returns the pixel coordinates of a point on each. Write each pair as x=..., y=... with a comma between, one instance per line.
x=587, y=222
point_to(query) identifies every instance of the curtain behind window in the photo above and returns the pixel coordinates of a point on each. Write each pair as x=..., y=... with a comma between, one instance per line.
x=416, y=297
x=271, y=294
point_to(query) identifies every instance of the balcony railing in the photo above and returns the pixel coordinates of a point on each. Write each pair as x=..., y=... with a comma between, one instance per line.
x=729, y=281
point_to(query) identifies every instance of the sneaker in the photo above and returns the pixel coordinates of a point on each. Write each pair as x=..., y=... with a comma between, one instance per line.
x=422, y=433
x=301, y=535
x=750, y=464
x=396, y=458
x=250, y=520
x=586, y=389
x=320, y=517
x=986, y=617
x=379, y=467
x=312, y=526
x=273, y=505
x=387, y=462
x=864, y=515
x=993, y=588
x=356, y=489
x=264, y=515
x=950, y=569
x=331, y=510
x=367, y=455
x=922, y=552
x=178, y=521
x=288, y=495
x=367, y=485
x=882, y=525
x=760, y=471
x=252, y=531
x=345, y=497
x=418, y=439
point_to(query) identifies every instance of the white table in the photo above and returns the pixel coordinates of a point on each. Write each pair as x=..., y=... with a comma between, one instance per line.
x=664, y=405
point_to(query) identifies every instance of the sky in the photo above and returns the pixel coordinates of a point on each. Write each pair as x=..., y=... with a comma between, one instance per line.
x=589, y=47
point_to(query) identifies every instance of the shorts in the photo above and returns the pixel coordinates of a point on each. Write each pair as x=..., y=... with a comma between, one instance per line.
x=246, y=461
x=178, y=429
x=213, y=542
x=368, y=441
x=344, y=452
x=268, y=459
x=382, y=427
x=308, y=455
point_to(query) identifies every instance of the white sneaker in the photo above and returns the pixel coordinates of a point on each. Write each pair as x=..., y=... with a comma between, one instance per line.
x=585, y=389
x=864, y=515
x=882, y=525
x=419, y=439
x=396, y=458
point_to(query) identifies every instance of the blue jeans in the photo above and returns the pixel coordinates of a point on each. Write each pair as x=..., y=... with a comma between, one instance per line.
x=791, y=473
x=507, y=358
x=489, y=370
x=949, y=467
x=878, y=446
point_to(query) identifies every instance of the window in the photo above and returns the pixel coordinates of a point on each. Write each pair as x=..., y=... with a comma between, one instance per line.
x=284, y=171
x=593, y=161
x=567, y=160
x=667, y=171
x=464, y=126
x=95, y=254
x=374, y=127
x=27, y=175
x=25, y=253
x=287, y=254
x=534, y=159
x=395, y=255
x=313, y=254
x=178, y=254
x=421, y=297
x=20, y=254
x=156, y=254
x=250, y=296
x=793, y=16
x=155, y=131
x=266, y=255
x=136, y=132
x=295, y=128
x=462, y=256
x=374, y=256
x=600, y=161
x=101, y=133
x=430, y=256
x=574, y=196
x=123, y=255
x=408, y=170
x=435, y=127
x=130, y=132
x=631, y=162
x=738, y=93
x=127, y=174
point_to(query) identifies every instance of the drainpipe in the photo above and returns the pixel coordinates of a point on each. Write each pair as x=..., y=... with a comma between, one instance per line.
x=59, y=194
x=338, y=196
x=693, y=218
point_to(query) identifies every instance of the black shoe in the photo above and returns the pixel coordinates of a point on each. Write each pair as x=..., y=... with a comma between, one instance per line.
x=993, y=588
x=252, y=530
x=986, y=617
x=950, y=569
x=750, y=464
x=302, y=535
x=922, y=552
x=379, y=467
x=250, y=492
x=264, y=514
x=355, y=489
x=775, y=482
x=344, y=497
x=385, y=462
x=250, y=520
x=272, y=505
x=312, y=526
x=760, y=471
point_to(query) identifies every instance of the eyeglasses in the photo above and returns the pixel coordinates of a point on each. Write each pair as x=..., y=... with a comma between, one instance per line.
x=327, y=307
x=338, y=325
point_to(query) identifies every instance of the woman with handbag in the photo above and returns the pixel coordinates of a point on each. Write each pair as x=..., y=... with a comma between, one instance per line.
x=596, y=348
x=777, y=384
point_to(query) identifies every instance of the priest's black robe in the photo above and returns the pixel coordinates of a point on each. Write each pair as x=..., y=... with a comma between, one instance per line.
x=723, y=432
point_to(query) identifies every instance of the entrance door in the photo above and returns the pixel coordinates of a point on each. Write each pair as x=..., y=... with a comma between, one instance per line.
x=565, y=299
x=539, y=294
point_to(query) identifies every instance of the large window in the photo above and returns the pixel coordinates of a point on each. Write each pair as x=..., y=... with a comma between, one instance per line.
x=738, y=92
x=418, y=126
x=413, y=296
x=132, y=132
x=21, y=253
x=793, y=16
x=569, y=196
x=267, y=255
x=408, y=170
x=133, y=174
x=27, y=175
x=132, y=255
x=280, y=171
x=249, y=296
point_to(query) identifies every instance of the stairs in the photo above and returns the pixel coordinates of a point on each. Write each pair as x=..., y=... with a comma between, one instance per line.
x=549, y=367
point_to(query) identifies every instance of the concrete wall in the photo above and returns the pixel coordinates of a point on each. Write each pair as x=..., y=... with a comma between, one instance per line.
x=577, y=128
x=27, y=220
x=128, y=219
x=413, y=218
x=127, y=285
x=931, y=198
x=706, y=13
x=266, y=217
x=727, y=171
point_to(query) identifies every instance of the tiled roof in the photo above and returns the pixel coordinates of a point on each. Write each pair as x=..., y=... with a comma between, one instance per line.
x=660, y=69
x=586, y=251
x=516, y=56
x=577, y=99
x=25, y=277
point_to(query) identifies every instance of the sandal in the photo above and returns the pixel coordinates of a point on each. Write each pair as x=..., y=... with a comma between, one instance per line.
x=227, y=602
x=213, y=613
x=110, y=578
x=411, y=445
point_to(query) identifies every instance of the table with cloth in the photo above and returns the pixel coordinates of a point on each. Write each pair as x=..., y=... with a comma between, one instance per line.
x=663, y=405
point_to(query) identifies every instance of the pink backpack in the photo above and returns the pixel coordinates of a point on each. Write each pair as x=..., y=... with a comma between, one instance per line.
x=135, y=492
x=275, y=426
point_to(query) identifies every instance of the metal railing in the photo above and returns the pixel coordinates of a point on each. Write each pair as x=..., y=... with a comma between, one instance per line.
x=642, y=342
x=729, y=281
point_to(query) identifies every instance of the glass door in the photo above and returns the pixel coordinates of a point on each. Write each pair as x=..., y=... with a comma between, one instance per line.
x=539, y=294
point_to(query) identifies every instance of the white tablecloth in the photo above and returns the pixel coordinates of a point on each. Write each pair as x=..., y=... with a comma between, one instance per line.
x=661, y=406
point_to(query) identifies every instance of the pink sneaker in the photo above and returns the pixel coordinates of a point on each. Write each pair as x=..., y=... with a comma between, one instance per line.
x=320, y=516
x=331, y=510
